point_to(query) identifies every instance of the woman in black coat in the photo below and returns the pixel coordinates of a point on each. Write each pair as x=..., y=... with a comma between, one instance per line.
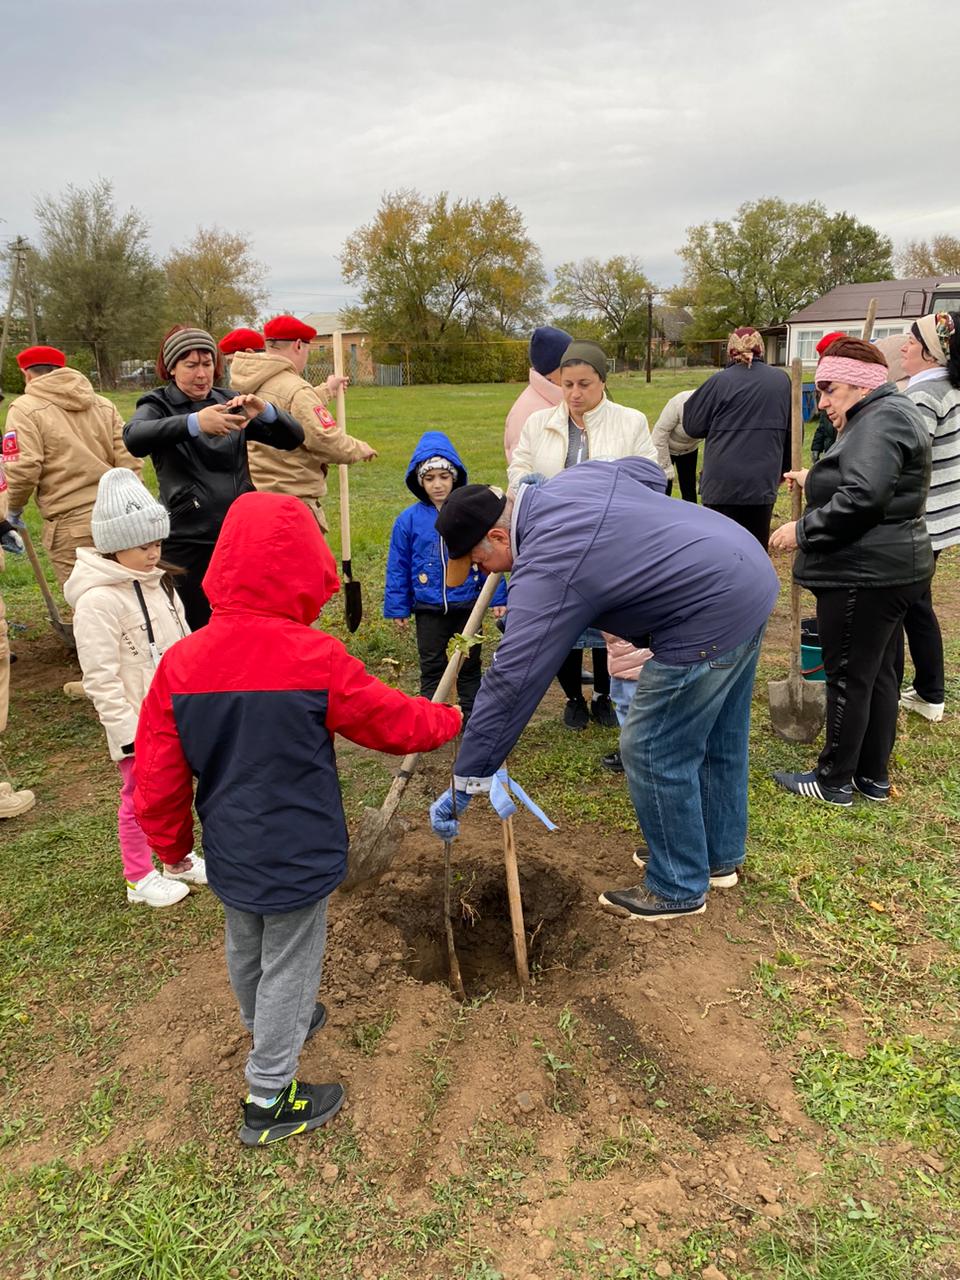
x=864, y=552
x=196, y=434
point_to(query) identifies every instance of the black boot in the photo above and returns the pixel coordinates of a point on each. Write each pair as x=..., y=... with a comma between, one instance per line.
x=575, y=714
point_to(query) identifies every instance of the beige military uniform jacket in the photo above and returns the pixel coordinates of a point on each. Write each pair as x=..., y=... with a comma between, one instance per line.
x=68, y=436
x=302, y=472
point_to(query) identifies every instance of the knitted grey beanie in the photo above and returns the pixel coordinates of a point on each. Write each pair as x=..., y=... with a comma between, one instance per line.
x=126, y=514
x=184, y=341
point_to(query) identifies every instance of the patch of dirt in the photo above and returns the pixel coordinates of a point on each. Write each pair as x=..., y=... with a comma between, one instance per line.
x=43, y=662
x=653, y=1023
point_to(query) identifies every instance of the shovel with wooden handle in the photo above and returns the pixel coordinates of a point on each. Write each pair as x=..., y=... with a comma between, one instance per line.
x=797, y=706
x=375, y=845
x=63, y=629
x=352, y=595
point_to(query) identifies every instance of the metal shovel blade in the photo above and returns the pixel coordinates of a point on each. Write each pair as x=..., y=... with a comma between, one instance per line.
x=352, y=604
x=374, y=847
x=798, y=708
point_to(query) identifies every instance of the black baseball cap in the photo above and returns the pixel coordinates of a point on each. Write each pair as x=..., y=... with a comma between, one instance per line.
x=464, y=520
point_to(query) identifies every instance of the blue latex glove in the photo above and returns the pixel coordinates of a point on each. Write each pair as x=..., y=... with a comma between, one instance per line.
x=443, y=817
x=16, y=519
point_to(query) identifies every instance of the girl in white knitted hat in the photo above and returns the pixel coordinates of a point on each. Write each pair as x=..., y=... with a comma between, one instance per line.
x=126, y=614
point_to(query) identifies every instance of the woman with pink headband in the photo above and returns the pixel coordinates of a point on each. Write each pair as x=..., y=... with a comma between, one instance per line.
x=864, y=551
x=931, y=360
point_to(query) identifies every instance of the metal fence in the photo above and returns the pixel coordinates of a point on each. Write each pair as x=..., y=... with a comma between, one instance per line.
x=402, y=364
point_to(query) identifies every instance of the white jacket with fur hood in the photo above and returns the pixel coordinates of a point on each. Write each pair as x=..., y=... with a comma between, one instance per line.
x=613, y=431
x=111, y=635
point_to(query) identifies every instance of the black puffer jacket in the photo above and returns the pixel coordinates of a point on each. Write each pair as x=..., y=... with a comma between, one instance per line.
x=199, y=476
x=864, y=523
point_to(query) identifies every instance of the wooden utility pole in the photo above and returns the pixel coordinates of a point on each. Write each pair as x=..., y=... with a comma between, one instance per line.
x=649, y=336
x=19, y=282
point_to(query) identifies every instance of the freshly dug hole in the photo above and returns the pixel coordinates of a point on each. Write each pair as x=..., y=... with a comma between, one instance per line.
x=482, y=924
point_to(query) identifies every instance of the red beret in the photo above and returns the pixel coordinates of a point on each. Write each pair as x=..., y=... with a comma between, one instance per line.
x=828, y=339
x=288, y=329
x=41, y=355
x=241, y=340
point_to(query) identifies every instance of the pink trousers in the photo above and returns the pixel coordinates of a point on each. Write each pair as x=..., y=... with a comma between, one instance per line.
x=134, y=849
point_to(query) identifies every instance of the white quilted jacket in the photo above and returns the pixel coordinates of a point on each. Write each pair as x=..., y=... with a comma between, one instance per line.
x=613, y=431
x=111, y=636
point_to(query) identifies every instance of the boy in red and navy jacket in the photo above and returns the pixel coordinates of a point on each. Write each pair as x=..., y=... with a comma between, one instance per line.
x=249, y=706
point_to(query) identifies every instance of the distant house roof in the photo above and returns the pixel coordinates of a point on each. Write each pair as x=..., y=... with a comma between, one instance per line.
x=328, y=322
x=671, y=321
x=896, y=299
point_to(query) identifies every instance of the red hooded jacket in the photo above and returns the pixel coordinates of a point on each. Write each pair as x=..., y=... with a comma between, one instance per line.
x=249, y=706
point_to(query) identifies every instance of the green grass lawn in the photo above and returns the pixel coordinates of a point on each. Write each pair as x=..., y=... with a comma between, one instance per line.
x=854, y=914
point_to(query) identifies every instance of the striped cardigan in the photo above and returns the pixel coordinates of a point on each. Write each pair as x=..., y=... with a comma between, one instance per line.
x=939, y=404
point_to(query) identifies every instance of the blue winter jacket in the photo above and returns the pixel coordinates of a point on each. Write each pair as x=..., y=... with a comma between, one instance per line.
x=416, y=561
x=600, y=544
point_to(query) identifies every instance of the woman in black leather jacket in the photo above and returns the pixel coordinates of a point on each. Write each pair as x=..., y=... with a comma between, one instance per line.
x=196, y=434
x=864, y=552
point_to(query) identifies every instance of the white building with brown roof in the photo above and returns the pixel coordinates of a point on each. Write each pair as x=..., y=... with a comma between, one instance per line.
x=899, y=303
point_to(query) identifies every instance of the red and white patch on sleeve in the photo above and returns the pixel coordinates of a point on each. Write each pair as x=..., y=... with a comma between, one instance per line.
x=326, y=418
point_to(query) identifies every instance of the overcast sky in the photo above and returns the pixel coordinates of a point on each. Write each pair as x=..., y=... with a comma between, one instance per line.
x=612, y=127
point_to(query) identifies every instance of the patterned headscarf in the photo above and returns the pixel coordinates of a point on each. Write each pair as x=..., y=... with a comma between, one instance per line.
x=743, y=344
x=935, y=332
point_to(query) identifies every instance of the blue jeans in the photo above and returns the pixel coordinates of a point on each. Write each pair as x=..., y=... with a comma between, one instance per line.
x=621, y=695
x=684, y=749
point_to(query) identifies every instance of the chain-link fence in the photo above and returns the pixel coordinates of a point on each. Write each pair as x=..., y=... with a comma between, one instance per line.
x=404, y=364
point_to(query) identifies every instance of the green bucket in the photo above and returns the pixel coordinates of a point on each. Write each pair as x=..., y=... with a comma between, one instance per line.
x=811, y=662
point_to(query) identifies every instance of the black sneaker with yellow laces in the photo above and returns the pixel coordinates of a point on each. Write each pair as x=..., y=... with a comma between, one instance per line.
x=298, y=1109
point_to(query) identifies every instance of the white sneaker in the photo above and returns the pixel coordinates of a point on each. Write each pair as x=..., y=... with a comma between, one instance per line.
x=910, y=700
x=13, y=803
x=154, y=891
x=195, y=874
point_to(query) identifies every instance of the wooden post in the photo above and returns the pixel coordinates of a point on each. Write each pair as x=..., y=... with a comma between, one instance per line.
x=796, y=502
x=516, y=904
x=649, y=335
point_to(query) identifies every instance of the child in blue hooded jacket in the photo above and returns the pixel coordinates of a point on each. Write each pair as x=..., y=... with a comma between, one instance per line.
x=416, y=569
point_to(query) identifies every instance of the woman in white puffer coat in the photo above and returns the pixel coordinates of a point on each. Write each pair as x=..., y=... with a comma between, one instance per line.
x=126, y=614
x=587, y=424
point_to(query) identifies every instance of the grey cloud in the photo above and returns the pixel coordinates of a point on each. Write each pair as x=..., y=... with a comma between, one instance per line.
x=612, y=129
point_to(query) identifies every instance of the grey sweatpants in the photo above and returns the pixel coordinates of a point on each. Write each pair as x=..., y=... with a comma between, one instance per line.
x=275, y=963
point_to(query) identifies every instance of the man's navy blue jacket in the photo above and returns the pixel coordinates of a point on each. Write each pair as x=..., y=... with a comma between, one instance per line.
x=601, y=545
x=249, y=706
